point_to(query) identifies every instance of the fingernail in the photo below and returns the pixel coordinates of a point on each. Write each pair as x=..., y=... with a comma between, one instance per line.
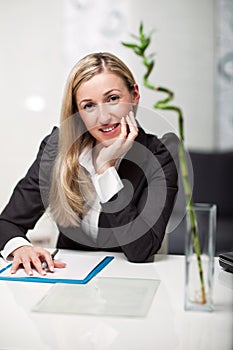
x=51, y=268
x=30, y=273
x=12, y=271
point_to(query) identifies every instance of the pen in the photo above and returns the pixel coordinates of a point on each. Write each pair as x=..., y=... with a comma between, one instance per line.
x=45, y=264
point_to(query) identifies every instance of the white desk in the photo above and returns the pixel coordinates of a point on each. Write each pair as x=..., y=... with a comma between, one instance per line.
x=166, y=326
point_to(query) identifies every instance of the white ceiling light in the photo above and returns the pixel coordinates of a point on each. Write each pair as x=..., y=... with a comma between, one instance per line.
x=35, y=103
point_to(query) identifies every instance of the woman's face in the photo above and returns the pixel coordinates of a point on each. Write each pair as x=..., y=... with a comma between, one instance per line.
x=102, y=101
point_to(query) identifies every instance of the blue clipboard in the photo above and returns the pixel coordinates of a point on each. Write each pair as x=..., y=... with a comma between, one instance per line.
x=90, y=275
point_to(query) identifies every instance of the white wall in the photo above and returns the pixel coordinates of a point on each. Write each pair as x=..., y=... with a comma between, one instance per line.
x=184, y=45
x=36, y=37
x=224, y=74
x=31, y=64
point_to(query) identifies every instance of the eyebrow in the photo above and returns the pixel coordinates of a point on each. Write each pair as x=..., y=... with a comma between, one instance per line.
x=111, y=90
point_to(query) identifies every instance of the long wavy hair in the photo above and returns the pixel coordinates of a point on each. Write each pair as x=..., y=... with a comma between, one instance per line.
x=70, y=183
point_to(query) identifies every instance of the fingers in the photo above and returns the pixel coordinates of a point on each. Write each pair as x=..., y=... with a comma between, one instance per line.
x=123, y=133
x=129, y=122
x=48, y=262
x=38, y=264
x=16, y=264
x=29, y=257
x=27, y=263
x=133, y=128
x=59, y=264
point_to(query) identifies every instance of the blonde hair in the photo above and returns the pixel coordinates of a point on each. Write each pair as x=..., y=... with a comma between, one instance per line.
x=70, y=183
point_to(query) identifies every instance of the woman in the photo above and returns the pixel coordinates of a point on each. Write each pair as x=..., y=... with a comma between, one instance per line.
x=108, y=184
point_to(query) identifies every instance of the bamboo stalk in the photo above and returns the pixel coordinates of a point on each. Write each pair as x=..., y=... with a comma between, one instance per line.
x=148, y=62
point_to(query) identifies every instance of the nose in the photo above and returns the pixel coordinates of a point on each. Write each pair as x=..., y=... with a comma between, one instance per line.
x=104, y=114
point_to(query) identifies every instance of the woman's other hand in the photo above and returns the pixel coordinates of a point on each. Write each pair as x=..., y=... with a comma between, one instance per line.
x=30, y=257
x=108, y=154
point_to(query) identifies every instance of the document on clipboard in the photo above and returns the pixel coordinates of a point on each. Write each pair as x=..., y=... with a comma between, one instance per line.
x=79, y=269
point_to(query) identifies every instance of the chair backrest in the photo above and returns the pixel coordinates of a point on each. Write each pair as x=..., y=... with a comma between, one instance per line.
x=213, y=179
x=212, y=183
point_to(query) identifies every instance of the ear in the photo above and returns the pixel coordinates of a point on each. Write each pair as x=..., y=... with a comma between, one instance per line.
x=135, y=94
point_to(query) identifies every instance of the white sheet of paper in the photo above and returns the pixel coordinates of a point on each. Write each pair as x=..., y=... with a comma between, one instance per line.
x=77, y=267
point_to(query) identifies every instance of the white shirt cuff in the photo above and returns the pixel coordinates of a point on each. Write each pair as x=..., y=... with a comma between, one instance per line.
x=13, y=244
x=107, y=184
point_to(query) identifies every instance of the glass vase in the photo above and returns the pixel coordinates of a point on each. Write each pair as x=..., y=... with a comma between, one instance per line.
x=199, y=257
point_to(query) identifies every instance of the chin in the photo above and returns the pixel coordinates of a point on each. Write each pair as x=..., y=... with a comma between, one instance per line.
x=107, y=143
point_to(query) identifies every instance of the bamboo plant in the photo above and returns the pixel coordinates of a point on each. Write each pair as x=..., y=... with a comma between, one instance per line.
x=139, y=48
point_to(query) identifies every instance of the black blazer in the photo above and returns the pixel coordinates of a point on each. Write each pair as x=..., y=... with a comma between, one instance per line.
x=133, y=221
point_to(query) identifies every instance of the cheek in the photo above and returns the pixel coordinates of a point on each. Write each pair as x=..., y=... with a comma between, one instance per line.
x=120, y=110
x=89, y=122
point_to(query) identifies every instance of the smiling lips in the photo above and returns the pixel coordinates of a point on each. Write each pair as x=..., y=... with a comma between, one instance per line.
x=109, y=130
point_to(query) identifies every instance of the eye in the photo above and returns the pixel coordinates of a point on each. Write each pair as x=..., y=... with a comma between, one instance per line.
x=89, y=106
x=113, y=99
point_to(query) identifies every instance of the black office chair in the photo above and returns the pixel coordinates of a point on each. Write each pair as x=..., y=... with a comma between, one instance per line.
x=213, y=183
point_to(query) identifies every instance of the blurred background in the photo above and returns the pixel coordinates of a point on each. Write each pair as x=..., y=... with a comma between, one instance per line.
x=42, y=39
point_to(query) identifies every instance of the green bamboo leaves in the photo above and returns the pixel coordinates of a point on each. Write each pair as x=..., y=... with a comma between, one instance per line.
x=148, y=61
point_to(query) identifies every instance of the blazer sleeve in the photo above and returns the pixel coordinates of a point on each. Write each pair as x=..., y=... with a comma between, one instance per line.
x=26, y=205
x=138, y=216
